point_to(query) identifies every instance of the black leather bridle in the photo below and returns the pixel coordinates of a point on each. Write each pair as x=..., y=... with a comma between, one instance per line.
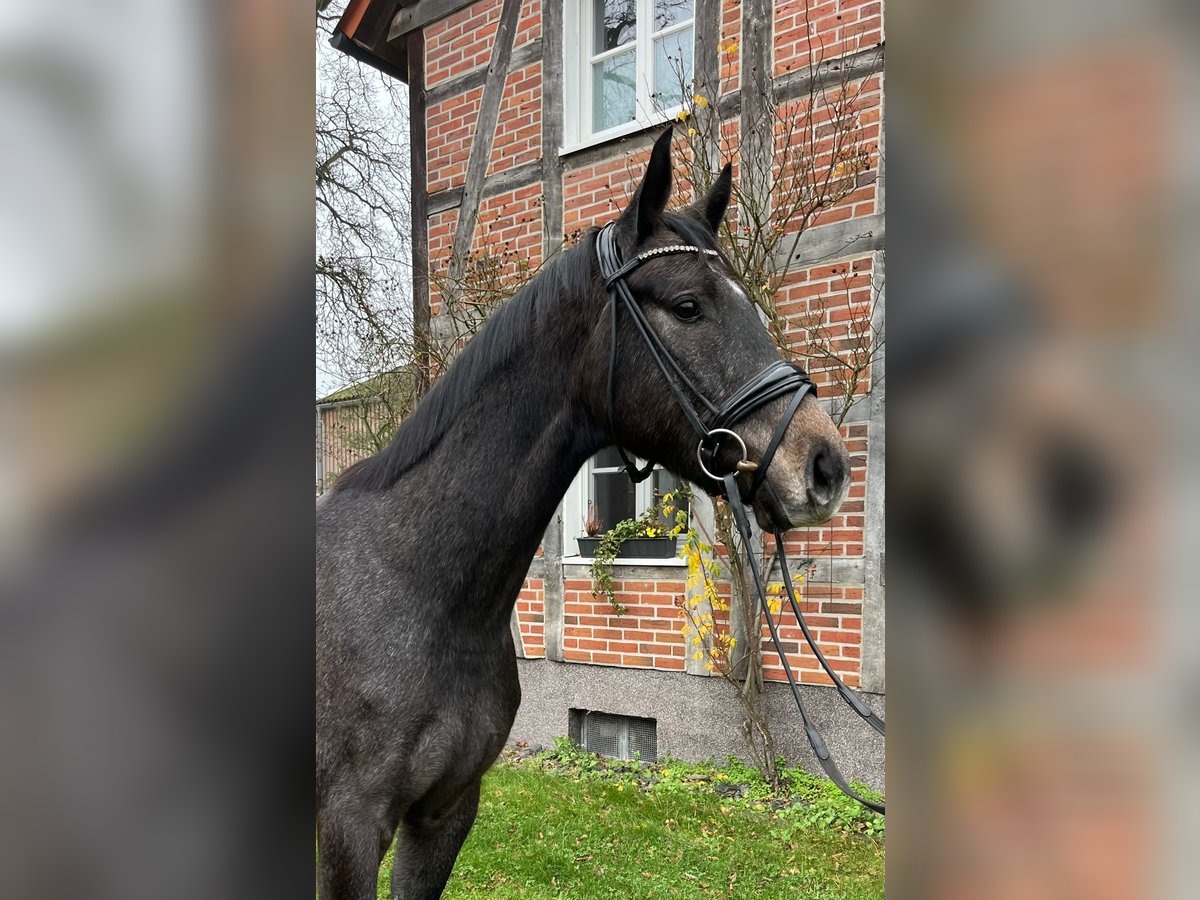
x=776, y=380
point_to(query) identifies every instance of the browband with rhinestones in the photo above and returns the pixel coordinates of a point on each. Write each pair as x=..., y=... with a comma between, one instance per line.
x=658, y=251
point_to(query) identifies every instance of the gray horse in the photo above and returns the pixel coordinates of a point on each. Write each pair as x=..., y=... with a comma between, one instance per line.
x=417, y=682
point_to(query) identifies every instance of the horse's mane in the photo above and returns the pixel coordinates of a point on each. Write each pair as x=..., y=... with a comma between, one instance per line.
x=519, y=321
x=568, y=276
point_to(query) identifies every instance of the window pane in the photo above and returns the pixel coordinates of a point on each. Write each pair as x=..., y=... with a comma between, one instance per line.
x=614, y=498
x=672, y=12
x=613, y=92
x=672, y=68
x=615, y=23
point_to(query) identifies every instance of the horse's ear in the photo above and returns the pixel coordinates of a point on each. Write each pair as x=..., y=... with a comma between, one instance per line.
x=650, y=199
x=710, y=208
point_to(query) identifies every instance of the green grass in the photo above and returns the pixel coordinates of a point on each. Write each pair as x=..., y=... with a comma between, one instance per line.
x=545, y=831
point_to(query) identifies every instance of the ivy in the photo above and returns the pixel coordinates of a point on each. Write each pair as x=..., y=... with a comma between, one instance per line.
x=651, y=523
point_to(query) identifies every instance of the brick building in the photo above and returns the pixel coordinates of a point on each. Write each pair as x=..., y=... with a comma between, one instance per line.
x=531, y=121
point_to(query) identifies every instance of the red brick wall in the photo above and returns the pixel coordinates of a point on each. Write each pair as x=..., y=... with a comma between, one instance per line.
x=529, y=25
x=512, y=220
x=647, y=635
x=509, y=222
x=838, y=28
x=441, y=239
x=833, y=299
x=597, y=192
x=834, y=613
x=455, y=46
x=731, y=45
x=518, y=137
x=461, y=42
x=531, y=617
x=451, y=129
x=848, y=130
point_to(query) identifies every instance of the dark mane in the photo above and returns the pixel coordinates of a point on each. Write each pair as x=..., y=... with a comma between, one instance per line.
x=511, y=327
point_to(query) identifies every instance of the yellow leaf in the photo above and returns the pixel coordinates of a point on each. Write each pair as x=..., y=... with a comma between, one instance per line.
x=682, y=115
x=700, y=100
x=691, y=132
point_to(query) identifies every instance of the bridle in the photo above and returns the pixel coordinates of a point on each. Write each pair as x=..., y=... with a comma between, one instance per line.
x=777, y=380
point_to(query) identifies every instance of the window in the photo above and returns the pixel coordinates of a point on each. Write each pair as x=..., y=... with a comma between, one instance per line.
x=627, y=64
x=612, y=494
x=618, y=737
x=603, y=484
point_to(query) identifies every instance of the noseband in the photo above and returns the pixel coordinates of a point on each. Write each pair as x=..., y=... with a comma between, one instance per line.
x=776, y=380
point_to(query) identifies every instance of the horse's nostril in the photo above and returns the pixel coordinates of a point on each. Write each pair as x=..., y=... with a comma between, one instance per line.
x=827, y=471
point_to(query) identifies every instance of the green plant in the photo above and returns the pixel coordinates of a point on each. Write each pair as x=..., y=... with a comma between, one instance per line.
x=566, y=754
x=663, y=519
x=823, y=807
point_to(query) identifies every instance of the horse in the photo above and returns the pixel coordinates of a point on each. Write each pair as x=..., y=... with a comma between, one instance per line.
x=417, y=684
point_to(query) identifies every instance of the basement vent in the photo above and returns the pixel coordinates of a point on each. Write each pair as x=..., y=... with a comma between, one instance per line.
x=618, y=737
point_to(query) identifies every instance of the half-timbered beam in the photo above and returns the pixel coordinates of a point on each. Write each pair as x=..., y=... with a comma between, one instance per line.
x=413, y=18
x=485, y=133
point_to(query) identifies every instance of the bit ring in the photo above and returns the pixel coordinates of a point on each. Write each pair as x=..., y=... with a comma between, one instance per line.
x=700, y=449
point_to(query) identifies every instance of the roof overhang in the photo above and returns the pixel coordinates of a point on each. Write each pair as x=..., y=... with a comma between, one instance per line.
x=362, y=32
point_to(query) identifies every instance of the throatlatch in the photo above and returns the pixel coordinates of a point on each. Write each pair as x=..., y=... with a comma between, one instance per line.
x=777, y=380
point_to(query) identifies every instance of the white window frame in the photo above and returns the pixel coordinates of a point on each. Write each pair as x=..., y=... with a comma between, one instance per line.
x=575, y=508
x=578, y=25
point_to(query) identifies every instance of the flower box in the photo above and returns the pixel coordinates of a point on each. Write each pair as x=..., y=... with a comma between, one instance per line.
x=633, y=548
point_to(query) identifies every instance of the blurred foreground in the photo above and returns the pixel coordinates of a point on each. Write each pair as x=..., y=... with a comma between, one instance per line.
x=156, y=335
x=1042, y=662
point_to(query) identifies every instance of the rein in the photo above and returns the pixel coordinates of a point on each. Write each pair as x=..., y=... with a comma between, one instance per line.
x=776, y=380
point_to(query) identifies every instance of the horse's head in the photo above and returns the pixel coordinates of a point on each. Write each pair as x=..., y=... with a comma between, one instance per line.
x=703, y=316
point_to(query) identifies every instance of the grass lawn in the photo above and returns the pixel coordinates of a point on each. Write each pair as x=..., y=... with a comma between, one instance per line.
x=543, y=833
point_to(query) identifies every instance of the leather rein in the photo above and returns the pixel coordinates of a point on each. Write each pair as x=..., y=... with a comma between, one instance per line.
x=777, y=380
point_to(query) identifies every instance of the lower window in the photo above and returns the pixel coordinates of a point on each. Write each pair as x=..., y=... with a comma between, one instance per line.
x=617, y=737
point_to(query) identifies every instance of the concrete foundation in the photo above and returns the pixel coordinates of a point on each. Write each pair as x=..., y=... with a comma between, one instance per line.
x=697, y=717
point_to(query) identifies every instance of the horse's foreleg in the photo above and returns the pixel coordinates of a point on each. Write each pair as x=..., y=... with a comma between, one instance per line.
x=349, y=850
x=425, y=853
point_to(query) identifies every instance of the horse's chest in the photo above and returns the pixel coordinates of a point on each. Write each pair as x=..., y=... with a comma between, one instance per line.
x=462, y=739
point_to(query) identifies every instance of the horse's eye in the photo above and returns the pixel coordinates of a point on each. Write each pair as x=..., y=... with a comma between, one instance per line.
x=686, y=310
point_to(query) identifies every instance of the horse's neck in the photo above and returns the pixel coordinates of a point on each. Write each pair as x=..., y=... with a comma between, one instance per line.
x=495, y=480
